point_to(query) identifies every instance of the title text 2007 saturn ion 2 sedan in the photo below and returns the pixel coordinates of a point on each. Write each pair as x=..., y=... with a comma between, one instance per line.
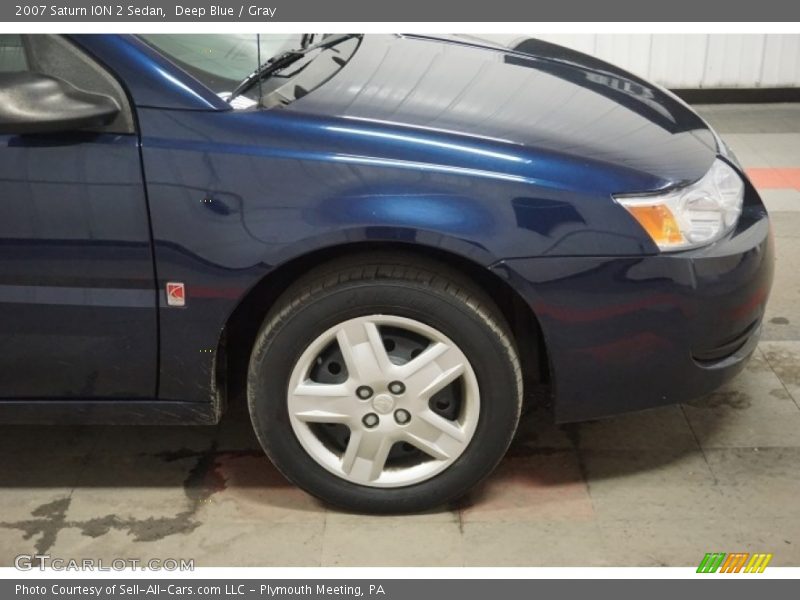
x=385, y=239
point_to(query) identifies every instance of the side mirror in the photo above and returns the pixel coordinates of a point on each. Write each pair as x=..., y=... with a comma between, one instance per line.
x=36, y=103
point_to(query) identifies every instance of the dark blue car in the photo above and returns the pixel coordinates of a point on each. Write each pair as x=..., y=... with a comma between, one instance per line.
x=390, y=241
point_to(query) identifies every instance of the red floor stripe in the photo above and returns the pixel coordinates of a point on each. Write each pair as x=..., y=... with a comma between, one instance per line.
x=771, y=179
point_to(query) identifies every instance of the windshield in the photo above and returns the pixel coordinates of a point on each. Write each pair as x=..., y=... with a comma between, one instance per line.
x=222, y=61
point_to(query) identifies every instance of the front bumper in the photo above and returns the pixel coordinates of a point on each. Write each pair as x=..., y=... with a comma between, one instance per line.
x=629, y=333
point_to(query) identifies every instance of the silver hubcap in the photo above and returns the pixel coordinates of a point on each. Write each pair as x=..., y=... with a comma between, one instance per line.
x=397, y=404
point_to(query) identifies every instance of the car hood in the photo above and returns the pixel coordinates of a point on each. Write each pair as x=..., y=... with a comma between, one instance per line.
x=538, y=95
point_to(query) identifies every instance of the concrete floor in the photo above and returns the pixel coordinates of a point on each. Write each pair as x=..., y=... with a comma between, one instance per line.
x=661, y=487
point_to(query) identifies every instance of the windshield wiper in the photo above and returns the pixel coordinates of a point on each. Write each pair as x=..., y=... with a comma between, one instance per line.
x=283, y=60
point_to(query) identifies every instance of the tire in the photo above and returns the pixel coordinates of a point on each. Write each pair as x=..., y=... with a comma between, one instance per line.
x=463, y=396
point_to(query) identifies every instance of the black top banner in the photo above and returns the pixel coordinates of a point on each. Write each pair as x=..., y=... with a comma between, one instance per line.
x=442, y=11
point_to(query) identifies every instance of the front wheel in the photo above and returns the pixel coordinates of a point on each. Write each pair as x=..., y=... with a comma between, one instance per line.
x=384, y=385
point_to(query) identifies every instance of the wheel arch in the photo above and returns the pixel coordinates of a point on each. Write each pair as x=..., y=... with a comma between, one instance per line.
x=241, y=327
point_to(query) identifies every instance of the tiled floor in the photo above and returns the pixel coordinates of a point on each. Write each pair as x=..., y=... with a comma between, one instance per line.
x=656, y=488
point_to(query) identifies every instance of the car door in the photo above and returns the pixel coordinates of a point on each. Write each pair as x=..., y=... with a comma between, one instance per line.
x=77, y=285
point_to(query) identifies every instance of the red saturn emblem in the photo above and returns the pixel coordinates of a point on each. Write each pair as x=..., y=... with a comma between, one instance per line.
x=176, y=294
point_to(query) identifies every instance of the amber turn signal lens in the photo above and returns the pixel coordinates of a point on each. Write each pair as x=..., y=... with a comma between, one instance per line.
x=658, y=222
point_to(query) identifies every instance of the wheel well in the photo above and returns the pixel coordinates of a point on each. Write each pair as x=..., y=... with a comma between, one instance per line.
x=241, y=328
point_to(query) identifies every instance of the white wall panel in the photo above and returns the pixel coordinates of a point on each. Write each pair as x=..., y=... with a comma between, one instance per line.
x=781, y=61
x=693, y=60
x=677, y=60
x=733, y=60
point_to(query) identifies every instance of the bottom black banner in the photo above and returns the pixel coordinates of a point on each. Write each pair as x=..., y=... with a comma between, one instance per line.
x=390, y=589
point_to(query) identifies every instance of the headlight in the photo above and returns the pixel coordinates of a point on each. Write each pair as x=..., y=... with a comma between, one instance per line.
x=694, y=215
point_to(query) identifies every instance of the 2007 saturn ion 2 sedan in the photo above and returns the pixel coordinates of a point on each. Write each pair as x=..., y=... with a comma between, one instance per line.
x=388, y=241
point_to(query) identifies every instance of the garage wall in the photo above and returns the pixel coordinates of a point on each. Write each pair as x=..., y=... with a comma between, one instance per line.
x=693, y=60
